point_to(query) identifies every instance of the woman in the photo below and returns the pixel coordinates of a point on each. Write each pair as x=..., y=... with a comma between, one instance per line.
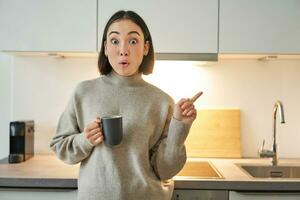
x=154, y=129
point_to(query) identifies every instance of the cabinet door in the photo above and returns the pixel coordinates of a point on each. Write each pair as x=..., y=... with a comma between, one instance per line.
x=176, y=26
x=263, y=196
x=200, y=195
x=269, y=26
x=48, y=25
x=37, y=194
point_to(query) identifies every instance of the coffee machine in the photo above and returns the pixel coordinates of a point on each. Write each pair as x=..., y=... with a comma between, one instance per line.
x=21, y=141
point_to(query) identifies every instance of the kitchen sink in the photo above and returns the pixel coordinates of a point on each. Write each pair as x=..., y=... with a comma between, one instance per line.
x=269, y=171
x=199, y=170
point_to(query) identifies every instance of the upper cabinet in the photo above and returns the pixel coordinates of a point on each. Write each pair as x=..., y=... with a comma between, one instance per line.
x=176, y=26
x=179, y=29
x=269, y=26
x=48, y=25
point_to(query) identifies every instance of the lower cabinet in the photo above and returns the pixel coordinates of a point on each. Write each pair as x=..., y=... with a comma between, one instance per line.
x=200, y=195
x=232, y=195
x=263, y=196
x=38, y=194
x=71, y=194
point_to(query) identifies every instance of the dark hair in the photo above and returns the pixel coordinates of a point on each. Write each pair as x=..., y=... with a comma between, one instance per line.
x=147, y=64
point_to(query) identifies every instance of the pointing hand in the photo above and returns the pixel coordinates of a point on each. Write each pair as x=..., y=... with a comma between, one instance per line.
x=185, y=110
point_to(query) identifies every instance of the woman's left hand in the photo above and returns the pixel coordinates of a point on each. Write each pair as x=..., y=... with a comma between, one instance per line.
x=185, y=110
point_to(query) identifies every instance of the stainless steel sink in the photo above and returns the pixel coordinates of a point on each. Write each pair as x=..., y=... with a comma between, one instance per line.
x=268, y=171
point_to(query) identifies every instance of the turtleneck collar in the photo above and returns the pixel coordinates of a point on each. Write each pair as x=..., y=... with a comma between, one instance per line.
x=135, y=80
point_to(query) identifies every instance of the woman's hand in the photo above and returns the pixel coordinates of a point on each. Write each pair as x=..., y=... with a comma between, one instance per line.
x=185, y=110
x=93, y=132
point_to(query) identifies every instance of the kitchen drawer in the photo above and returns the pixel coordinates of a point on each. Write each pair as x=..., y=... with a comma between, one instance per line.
x=263, y=196
x=37, y=194
x=200, y=195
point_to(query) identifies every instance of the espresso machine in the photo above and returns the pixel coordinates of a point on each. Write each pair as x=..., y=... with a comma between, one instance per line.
x=21, y=141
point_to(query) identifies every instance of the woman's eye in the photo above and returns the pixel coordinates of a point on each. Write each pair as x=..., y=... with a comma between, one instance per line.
x=133, y=41
x=114, y=41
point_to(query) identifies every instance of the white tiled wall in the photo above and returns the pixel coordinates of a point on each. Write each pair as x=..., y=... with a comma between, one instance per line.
x=41, y=87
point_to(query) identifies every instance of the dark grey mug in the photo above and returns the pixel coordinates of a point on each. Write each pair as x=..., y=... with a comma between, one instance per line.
x=112, y=129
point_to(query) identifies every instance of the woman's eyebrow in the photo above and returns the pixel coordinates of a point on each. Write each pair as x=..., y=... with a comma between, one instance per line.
x=116, y=32
x=129, y=33
x=134, y=32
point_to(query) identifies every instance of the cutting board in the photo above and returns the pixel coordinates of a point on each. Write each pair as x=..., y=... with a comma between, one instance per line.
x=215, y=133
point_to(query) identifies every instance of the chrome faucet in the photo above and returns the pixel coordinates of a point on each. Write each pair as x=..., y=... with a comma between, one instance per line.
x=264, y=153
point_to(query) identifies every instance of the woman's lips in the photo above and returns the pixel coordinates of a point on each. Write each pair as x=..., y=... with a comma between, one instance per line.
x=124, y=63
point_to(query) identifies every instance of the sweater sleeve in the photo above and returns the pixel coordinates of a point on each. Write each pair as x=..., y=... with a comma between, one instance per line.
x=69, y=144
x=168, y=156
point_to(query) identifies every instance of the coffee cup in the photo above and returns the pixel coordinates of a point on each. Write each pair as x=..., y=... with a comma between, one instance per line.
x=112, y=129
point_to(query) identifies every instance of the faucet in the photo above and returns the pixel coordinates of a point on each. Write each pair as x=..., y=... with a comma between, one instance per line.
x=264, y=153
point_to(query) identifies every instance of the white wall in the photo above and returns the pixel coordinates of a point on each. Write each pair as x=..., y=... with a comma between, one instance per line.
x=5, y=103
x=42, y=86
x=251, y=85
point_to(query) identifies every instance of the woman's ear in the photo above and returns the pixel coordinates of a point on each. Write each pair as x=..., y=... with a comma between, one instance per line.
x=146, y=48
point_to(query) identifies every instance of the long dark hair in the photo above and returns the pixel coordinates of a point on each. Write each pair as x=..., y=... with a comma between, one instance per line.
x=147, y=64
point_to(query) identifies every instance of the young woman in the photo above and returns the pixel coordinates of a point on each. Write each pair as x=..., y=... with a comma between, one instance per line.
x=154, y=129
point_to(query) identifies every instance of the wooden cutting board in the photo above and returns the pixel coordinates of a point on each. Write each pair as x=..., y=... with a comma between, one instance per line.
x=215, y=133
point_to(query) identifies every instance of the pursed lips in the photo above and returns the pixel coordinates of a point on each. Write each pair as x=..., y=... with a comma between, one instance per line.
x=124, y=62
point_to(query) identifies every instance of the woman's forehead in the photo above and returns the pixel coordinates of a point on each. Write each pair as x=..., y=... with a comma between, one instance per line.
x=124, y=26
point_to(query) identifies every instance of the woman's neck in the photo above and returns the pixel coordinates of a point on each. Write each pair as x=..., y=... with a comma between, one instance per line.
x=133, y=80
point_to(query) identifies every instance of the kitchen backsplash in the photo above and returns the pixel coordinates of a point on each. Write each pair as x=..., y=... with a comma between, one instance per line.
x=38, y=88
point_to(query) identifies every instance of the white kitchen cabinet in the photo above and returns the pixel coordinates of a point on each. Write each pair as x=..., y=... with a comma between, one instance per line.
x=48, y=25
x=38, y=194
x=269, y=26
x=263, y=196
x=176, y=26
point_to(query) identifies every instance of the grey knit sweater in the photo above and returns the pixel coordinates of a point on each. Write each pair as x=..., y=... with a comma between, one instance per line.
x=152, y=149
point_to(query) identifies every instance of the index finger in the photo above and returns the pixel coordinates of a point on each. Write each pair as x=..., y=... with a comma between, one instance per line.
x=97, y=120
x=194, y=98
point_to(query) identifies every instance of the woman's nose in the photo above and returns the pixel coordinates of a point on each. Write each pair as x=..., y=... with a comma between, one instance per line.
x=124, y=50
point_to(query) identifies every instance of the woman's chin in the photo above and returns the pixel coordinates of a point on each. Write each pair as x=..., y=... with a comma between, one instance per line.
x=125, y=72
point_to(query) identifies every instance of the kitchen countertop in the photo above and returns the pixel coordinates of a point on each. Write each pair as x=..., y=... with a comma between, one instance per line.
x=41, y=171
x=46, y=171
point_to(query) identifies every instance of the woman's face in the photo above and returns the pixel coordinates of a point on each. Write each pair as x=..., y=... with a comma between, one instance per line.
x=125, y=47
